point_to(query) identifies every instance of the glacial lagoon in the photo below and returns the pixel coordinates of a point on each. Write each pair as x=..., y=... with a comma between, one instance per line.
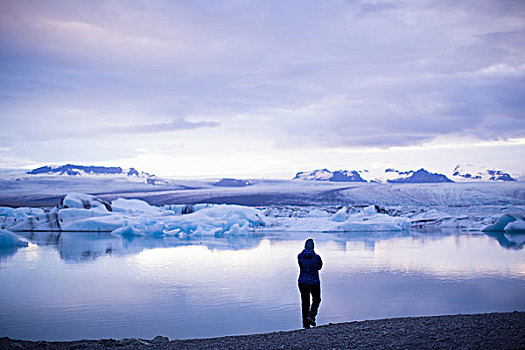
x=70, y=285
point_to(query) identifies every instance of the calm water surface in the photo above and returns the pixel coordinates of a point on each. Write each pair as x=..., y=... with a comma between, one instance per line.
x=75, y=285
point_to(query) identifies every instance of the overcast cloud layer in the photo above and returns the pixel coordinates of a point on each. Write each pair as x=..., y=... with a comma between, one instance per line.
x=192, y=82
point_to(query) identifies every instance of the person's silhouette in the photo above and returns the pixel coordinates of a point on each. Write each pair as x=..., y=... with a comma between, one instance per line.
x=309, y=283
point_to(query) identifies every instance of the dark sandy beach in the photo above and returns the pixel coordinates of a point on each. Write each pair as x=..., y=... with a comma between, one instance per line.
x=478, y=331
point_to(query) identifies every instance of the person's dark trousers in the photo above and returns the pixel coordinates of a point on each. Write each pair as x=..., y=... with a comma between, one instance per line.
x=315, y=291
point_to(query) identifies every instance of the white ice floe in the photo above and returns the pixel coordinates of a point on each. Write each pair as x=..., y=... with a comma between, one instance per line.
x=371, y=209
x=61, y=219
x=340, y=215
x=343, y=221
x=515, y=226
x=83, y=201
x=96, y=224
x=9, y=239
x=13, y=216
x=134, y=207
x=514, y=222
x=19, y=213
x=215, y=220
x=186, y=208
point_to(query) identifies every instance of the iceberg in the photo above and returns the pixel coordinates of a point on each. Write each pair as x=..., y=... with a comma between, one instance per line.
x=132, y=217
x=9, y=239
x=341, y=221
x=340, y=215
x=134, y=207
x=19, y=213
x=507, y=222
x=82, y=200
x=515, y=226
x=186, y=208
x=215, y=220
x=96, y=224
x=58, y=219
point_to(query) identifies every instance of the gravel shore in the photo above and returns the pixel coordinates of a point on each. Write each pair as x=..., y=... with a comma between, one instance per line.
x=479, y=331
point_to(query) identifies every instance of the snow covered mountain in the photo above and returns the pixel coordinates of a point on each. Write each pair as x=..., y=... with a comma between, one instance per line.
x=389, y=175
x=469, y=172
x=70, y=169
x=228, y=182
x=327, y=175
x=461, y=173
x=419, y=176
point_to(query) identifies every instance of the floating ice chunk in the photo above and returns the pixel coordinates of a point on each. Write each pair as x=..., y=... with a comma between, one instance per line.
x=9, y=239
x=430, y=215
x=7, y=212
x=316, y=213
x=67, y=215
x=128, y=230
x=501, y=223
x=20, y=213
x=371, y=209
x=83, y=201
x=235, y=230
x=216, y=220
x=96, y=224
x=134, y=207
x=340, y=215
x=435, y=217
x=186, y=208
x=57, y=219
x=352, y=223
x=515, y=226
x=374, y=222
x=45, y=222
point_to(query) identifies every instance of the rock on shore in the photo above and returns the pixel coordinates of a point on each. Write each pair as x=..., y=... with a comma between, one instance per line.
x=478, y=331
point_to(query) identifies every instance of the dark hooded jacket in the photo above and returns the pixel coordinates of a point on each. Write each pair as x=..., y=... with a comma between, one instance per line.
x=309, y=264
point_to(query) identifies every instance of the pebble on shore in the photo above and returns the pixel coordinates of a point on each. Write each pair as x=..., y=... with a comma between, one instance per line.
x=476, y=331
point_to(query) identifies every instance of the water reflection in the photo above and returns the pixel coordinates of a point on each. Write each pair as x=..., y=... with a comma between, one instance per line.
x=514, y=241
x=92, y=286
x=6, y=252
x=76, y=247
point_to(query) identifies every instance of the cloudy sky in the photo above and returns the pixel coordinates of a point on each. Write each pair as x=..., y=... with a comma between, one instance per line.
x=250, y=88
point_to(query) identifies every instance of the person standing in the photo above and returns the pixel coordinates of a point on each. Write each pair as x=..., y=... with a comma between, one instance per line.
x=309, y=283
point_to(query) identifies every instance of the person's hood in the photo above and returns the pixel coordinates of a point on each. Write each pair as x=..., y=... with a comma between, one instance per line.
x=308, y=253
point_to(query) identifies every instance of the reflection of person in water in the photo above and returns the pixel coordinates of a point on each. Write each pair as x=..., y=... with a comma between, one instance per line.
x=309, y=283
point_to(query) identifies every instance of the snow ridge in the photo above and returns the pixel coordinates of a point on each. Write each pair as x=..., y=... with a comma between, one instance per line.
x=98, y=171
x=461, y=173
x=419, y=176
x=469, y=172
x=411, y=176
x=73, y=170
x=327, y=175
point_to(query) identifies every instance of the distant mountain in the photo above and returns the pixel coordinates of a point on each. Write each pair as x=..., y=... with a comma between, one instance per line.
x=419, y=176
x=389, y=175
x=70, y=169
x=469, y=172
x=83, y=170
x=226, y=182
x=327, y=175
